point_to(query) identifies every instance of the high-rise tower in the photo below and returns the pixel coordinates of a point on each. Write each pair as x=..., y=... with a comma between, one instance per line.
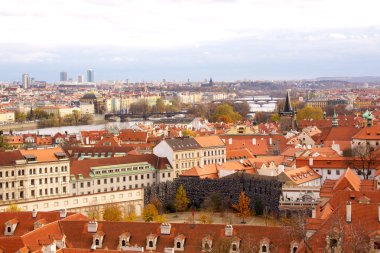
x=25, y=81
x=90, y=75
x=63, y=76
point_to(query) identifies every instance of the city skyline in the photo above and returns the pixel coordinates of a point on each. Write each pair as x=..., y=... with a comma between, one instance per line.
x=177, y=40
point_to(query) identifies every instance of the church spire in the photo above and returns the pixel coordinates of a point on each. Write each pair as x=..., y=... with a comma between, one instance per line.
x=287, y=109
x=335, y=120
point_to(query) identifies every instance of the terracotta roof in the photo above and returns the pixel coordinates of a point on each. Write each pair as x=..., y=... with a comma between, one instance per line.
x=43, y=155
x=78, y=237
x=84, y=166
x=129, y=135
x=8, y=158
x=209, y=141
x=302, y=175
x=368, y=133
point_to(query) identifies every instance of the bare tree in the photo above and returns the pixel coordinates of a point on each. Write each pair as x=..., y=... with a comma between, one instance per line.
x=362, y=160
x=358, y=240
x=296, y=228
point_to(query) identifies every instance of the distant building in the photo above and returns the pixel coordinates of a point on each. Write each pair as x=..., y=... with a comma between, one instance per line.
x=90, y=76
x=63, y=76
x=25, y=81
x=80, y=78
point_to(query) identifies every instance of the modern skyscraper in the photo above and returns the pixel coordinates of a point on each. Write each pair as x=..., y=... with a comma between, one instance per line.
x=25, y=81
x=90, y=75
x=63, y=76
x=80, y=78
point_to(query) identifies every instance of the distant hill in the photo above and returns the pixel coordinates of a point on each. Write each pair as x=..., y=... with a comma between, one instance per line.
x=353, y=79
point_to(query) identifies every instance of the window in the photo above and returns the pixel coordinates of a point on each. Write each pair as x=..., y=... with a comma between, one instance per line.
x=124, y=179
x=74, y=186
x=51, y=180
x=163, y=175
x=234, y=247
x=81, y=185
x=264, y=248
x=337, y=172
x=136, y=177
x=111, y=180
x=97, y=242
x=178, y=245
x=105, y=180
x=150, y=244
x=123, y=243
x=329, y=172
x=142, y=177
x=64, y=189
x=294, y=250
x=98, y=181
x=32, y=193
x=88, y=184
x=32, y=182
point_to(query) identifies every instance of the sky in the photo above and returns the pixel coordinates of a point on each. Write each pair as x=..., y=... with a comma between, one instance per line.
x=147, y=40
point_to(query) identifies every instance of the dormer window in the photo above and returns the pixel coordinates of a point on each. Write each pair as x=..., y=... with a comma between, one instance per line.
x=264, y=245
x=98, y=240
x=179, y=242
x=10, y=227
x=293, y=246
x=124, y=239
x=151, y=242
x=207, y=243
x=235, y=245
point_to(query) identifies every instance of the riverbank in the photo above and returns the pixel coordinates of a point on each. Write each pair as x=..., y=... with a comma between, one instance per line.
x=30, y=126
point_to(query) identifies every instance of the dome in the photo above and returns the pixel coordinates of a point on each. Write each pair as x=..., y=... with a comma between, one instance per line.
x=367, y=114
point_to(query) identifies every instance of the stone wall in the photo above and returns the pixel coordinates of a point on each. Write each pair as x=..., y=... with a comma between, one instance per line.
x=266, y=189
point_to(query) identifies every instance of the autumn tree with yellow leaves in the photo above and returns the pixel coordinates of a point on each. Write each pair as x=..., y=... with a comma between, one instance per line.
x=242, y=206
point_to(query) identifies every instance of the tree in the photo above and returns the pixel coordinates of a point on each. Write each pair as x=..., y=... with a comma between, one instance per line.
x=86, y=118
x=188, y=132
x=20, y=116
x=226, y=114
x=214, y=202
x=157, y=203
x=205, y=218
x=274, y=117
x=309, y=113
x=160, y=218
x=112, y=212
x=76, y=116
x=13, y=208
x=140, y=107
x=296, y=227
x=262, y=117
x=149, y=213
x=363, y=159
x=93, y=213
x=4, y=143
x=130, y=214
x=242, y=108
x=242, y=207
x=160, y=105
x=181, y=199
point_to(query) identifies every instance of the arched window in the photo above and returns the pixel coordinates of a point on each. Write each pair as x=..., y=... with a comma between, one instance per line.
x=333, y=243
x=264, y=248
x=9, y=229
x=150, y=244
x=123, y=243
x=294, y=249
x=178, y=245
x=234, y=247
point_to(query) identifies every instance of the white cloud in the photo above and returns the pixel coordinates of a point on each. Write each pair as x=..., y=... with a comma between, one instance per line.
x=338, y=36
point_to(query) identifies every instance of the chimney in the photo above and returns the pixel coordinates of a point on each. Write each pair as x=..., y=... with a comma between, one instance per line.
x=228, y=231
x=165, y=228
x=34, y=213
x=230, y=141
x=92, y=227
x=63, y=213
x=348, y=212
x=311, y=161
x=270, y=141
x=254, y=141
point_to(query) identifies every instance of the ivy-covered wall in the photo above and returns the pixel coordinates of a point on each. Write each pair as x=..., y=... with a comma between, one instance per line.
x=260, y=189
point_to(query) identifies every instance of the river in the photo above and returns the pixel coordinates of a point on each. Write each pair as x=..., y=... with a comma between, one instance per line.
x=77, y=129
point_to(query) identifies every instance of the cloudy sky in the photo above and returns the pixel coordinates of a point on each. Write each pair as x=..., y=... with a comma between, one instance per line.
x=195, y=39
